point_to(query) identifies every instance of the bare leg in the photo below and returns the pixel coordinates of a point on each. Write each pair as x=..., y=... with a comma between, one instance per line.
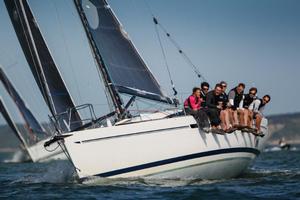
x=246, y=117
x=227, y=118
x=258, y=122
x=250, y=119
x=223, y=123
x=241, y=117
x=235, y=118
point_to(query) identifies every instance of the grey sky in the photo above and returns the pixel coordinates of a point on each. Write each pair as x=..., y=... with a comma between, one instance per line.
x=256, y=42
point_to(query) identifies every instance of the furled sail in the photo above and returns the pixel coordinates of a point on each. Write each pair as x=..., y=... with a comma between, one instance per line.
x=31, y=122
x=42, y=64
x=11, y=123
x=125, y=67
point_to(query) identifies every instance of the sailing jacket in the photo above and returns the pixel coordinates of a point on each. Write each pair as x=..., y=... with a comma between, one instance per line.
x=212, y=99
x=247, y=100
x=224, y=98
x=203, y=97
x=235, y=99
x=193, y=103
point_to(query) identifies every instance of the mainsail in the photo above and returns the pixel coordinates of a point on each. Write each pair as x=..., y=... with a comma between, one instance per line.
x=125, y=68
x=32, y=124
x=11, y=123
x=42, y=64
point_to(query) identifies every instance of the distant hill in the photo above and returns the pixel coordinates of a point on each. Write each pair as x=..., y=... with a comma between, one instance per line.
x=285, y=125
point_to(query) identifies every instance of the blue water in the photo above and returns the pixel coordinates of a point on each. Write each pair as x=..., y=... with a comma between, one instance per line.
x=274, y=175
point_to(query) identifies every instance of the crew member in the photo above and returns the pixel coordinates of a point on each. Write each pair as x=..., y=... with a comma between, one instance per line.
x=257, y=107
x=235, y=98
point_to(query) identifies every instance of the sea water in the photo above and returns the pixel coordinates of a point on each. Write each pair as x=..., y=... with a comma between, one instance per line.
x=274, y=175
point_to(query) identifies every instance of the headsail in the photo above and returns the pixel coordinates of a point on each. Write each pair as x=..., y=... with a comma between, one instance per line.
x=126, y=69
x=11, y=123
x=41, y=63
x=32, y=124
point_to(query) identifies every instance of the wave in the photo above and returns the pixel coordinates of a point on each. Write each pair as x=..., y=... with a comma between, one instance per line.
x=17, y=157
x=275, y=149
x=52, y=172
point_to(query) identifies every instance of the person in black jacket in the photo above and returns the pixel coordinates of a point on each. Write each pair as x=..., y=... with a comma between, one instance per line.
x=225, y=112
x=204, y=91
x=214, y=106
x=235, y=97
x=246, y=102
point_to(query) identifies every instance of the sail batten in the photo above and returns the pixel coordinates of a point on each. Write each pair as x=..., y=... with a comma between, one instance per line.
x=42, y=64
x=125, y=67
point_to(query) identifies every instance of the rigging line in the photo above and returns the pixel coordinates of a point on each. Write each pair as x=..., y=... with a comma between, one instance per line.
x=161, y=47
x=67, y=50
x=188, y=60
x=184, y=55
x=165, y=58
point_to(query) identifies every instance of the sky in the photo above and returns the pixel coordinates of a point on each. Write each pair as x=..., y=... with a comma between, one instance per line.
x=252, y=41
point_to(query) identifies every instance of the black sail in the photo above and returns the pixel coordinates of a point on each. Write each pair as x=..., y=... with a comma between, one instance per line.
x=41, y=63
x=11, y=123
x=126, y=69
x=31, y=122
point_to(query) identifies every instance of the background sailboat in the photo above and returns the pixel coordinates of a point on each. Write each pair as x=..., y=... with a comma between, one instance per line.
x=33, y=144
x=42, y=65
x=23, y=146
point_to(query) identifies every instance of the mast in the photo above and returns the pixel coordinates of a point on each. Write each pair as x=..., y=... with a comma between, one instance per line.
x=115, y=97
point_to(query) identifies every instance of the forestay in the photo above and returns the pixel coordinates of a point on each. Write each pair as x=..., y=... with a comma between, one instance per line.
x=125, y=67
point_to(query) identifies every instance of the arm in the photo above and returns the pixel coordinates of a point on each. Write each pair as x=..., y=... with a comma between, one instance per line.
x=254, y=106
x=241, y=105
x=231, y=96
x=192, y=100
x=261, y=111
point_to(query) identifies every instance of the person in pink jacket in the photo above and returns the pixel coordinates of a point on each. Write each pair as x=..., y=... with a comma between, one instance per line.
x=193, y=103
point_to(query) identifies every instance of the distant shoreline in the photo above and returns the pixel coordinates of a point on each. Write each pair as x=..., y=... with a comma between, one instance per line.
x=8, y=150
x=275, y=142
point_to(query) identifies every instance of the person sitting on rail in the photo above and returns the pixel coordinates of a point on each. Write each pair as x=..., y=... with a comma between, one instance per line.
x=192, y=106
x=257, y=107
x=225, y=112
x=214, y=107
x=246, y=102
x=235, y=97
x=193, y=103
x=204, y=91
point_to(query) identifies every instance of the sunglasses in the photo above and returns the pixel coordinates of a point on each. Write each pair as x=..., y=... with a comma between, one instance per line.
x=205, y=89
x=224, y=86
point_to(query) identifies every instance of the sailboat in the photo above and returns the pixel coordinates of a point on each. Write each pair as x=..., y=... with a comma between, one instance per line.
x=32, y=144
x=7, y=116
x=161, y=144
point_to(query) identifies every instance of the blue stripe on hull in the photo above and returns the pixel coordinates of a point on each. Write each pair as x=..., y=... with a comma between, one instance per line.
x=178, y=159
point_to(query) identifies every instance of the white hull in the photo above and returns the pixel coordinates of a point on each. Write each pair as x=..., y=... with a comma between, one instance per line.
x=38, y=153
x=164, y=148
